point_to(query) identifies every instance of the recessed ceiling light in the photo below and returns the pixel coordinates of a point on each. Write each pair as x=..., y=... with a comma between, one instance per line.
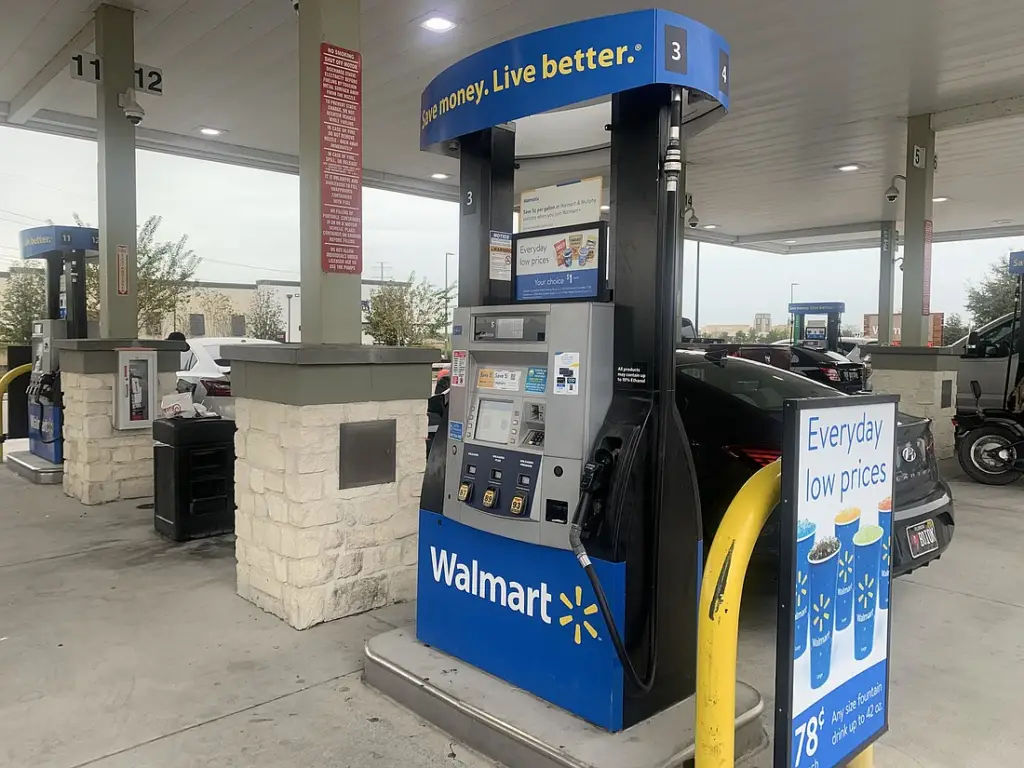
x=605, y=207
x=848, y=167
x=939, y=199
x=211, y=131
x=439, y=176
x=438, y=24
x=789, y=242
x=710, y=226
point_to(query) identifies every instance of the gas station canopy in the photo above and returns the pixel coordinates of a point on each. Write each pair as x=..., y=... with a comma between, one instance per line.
x=819, y=87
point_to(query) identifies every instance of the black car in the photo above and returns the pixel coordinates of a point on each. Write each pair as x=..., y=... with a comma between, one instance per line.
x=829, y=368
x=732, y=410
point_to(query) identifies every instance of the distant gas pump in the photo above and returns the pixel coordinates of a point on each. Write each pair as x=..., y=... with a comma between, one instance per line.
x=63, y=251
x=818, y=334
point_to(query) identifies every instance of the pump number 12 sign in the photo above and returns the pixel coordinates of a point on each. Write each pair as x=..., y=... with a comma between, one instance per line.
x=832, y=662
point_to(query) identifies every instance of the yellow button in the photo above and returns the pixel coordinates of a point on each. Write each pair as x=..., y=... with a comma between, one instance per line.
x=465, y=491
x=518, y=504
x=490, y=497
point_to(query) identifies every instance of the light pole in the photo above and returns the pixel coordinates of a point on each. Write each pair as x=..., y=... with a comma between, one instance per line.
x=290, y=296
x=696, y=295
x=792, y=317
x=447, y=290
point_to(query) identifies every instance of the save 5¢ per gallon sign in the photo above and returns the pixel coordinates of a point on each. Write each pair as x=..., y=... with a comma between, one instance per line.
x=832, y=663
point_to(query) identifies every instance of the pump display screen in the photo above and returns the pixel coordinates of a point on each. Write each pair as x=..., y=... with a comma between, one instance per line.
x=493, y=421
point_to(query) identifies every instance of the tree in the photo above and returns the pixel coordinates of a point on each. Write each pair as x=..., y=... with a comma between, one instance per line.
x=264, y=321
x=408, y=314
x=850, y=331
x=165, y=273
x=953, y=329
x=993, y=298
x=775, y=334
x=23, y=300
x=217, y=310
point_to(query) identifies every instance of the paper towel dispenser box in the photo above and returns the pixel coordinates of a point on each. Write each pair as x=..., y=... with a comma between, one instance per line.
x=135, y=387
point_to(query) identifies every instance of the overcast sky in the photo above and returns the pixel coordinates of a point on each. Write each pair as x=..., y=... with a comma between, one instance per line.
x=244, y=224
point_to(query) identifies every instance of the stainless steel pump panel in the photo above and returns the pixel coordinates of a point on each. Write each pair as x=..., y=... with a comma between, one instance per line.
x=530, y=388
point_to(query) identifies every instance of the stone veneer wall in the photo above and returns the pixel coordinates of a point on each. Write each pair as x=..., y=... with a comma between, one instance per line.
x=101, y=463
x=921, y=395
x=307, y=551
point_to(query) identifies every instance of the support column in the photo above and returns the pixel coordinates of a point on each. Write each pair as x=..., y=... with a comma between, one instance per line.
x=917, y=236
x=330, y=308
x=886, y=280
x=486, y=174
x=119, y=303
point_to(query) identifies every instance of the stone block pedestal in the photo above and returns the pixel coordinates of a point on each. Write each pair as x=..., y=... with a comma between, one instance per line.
x=329, y=465
x=102, y=463
x=925, y=378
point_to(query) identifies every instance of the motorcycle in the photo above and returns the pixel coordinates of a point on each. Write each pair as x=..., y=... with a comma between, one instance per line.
x=990, y=443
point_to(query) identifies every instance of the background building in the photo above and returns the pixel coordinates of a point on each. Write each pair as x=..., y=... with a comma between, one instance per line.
x=762, y=322
x=935, y=339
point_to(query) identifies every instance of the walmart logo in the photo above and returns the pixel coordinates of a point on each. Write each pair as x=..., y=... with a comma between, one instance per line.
x=801, y=588
x=508, y=593
x=570, y=618
x=866, y=592
x=820, y=611
x=846, y=567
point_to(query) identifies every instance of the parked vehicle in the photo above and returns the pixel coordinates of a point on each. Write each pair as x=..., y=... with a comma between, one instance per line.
x=732, y=410
x=829, y=368
x=989, y=442
x=985, y=355
x=207, y=374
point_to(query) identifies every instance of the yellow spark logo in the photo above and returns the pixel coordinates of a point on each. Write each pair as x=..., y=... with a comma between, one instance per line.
x=801, y=588
x=885, y=552
x=821, y=614
x=866, y=594
x=570, y=618
x=846, y=566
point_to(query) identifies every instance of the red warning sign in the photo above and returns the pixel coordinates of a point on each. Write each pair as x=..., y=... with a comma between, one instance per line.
x=341, y=160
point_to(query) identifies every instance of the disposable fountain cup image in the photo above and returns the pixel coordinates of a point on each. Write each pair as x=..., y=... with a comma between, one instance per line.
x=867, y=550
x=822, y=560
x=805, y=531
x=885, y=521
x=847, y=523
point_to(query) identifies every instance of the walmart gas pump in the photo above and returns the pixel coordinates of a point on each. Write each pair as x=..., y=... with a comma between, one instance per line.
x=63, y=251
x=813, y=334
x=560, y=536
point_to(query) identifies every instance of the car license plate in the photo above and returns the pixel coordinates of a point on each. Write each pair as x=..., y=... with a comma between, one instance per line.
x=922, y=538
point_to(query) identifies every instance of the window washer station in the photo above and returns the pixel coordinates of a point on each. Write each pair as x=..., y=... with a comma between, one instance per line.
x=63, y=251
x=815, y=336
x=560, y=542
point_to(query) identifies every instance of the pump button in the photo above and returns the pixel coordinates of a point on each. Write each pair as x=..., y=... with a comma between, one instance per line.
x=491, y=498
x=465, y=491
x=518, y=505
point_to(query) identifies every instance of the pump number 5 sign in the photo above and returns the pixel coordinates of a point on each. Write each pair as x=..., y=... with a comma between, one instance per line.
x=832, y=663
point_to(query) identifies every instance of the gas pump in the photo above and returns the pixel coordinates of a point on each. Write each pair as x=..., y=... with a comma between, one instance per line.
x=63, y=251
x=818, y=336
x=560, y=520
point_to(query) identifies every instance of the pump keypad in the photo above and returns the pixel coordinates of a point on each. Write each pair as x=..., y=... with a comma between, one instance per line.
x=506, y=478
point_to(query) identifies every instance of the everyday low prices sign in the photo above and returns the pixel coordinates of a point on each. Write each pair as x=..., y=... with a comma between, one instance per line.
x=559, y=265
x=832, y=670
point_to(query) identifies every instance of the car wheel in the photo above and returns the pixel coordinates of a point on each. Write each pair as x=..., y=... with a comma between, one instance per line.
x=987, y=455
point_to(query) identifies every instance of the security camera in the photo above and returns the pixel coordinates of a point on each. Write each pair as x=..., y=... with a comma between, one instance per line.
x=693, y=222
x=132, y=109
x=295, y=5
x=892, y=194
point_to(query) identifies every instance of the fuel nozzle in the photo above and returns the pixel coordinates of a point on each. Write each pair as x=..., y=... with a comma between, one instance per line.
x=593, y=480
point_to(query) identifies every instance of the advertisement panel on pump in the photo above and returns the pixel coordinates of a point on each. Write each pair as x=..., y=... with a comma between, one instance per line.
x=832, y=674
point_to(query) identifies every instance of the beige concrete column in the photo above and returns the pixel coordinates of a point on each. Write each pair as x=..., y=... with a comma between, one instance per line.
x=115, y=138
x=330, y=453
x=917, y=235
x=330, y=302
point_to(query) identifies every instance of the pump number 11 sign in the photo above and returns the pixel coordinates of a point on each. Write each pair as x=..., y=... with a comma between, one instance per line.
x=832, y=662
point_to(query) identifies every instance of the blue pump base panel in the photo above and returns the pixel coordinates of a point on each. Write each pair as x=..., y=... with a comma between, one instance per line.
x=46, y=432
x=524, y=613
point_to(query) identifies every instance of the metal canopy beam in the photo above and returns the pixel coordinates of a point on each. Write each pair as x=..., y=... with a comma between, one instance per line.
x=33, y=95
x=796, y=234
x=977, y=113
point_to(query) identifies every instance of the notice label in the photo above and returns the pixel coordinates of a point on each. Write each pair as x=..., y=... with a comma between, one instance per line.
x=455, y=430
x=500, y=252
x=341, y=161
x=122, y=270
x=536, y=380
x=496, y=378
x=561, y=205
x=460, y=364
x=567, y=373
x=633, y=376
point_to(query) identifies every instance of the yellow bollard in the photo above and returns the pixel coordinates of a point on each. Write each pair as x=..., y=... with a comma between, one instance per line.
x=865, y=759
x=5, y=382
x=719, y=617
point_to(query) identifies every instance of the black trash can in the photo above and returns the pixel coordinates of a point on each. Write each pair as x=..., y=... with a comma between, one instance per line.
x=194, y=477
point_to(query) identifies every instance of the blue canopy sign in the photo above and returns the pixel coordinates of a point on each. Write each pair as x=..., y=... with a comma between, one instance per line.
x=565, y=65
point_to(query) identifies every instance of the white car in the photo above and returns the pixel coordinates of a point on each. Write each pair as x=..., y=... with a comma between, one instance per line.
x=207, y=375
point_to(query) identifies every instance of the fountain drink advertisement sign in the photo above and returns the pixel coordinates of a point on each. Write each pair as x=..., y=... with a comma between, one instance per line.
x=832, y=678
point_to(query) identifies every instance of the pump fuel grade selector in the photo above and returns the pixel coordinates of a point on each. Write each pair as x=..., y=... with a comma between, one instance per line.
x=465, y=491
x=518, y=505
x=491, y=498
